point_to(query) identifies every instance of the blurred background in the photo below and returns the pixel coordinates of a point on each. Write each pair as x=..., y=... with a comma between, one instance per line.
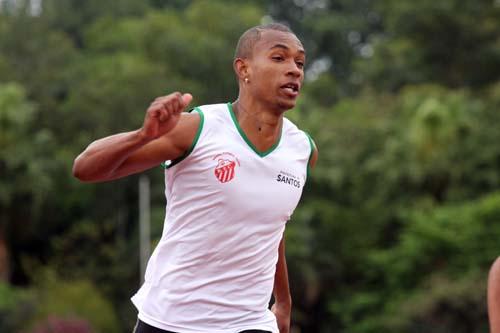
x=399, y=222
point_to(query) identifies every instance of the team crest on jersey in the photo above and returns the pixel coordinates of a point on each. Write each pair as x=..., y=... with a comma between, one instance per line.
x=225, y=169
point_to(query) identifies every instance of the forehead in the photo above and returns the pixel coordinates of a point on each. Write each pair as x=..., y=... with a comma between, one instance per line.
x=271, y=38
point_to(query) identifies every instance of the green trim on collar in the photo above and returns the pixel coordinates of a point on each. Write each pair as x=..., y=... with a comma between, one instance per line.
x=247, y=140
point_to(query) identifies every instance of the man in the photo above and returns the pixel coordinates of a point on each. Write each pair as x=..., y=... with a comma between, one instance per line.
x=494, y=297
x=234, y=174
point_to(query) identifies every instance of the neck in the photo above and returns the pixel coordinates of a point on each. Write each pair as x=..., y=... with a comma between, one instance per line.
x=261, y=124
x=255, y=117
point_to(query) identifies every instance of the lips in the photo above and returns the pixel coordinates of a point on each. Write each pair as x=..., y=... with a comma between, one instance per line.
x=291, y=89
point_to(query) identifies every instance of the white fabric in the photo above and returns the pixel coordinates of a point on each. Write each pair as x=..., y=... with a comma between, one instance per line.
x=213, y=269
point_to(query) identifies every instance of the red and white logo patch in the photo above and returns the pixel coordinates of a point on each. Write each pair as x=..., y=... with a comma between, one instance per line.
x=225, y=170
x=226, y=167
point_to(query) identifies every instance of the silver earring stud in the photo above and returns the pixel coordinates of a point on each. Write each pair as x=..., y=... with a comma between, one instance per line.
x=246, y=80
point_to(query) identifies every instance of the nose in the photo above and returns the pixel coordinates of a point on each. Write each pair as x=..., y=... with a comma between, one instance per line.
x=294, y=70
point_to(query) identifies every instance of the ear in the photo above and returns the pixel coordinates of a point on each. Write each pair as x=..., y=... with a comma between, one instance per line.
x=241, y=68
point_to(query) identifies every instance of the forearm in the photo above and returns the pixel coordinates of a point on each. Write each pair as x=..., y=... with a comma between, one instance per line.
x=124, y=154
x=281, y=290
x=102, y=157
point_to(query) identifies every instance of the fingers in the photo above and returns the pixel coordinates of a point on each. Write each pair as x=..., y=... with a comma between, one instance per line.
x=186, y=99
x=165, y=106
x=159, y=111
x=175, y=102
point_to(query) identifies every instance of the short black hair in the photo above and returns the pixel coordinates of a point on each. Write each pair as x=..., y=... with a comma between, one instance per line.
x=248, y=39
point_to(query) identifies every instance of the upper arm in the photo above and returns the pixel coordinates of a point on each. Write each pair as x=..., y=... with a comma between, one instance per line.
x=168, y=147
x=281, y=248
x=314, y=156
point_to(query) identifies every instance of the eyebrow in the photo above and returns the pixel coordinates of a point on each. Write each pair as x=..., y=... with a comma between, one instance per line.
x=283, y=46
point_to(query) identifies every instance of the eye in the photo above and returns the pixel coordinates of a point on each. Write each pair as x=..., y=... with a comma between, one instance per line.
x=300, y=64
x=278, y=58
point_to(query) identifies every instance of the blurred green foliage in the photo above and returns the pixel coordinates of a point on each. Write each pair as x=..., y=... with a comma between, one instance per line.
x=78, y=298
x=16, y=305
x=52, y=301
x=399, y=221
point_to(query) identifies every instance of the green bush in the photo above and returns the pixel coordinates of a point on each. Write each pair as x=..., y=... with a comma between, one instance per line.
x=16, y=306
x=75, y=299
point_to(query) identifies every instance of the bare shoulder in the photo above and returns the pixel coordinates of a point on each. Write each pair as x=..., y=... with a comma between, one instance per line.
x=494, y=283
x=495, y=270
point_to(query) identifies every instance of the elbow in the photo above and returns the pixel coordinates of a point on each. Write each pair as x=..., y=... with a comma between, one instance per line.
x=86, y=171
x=495, y=267
x=79, y=171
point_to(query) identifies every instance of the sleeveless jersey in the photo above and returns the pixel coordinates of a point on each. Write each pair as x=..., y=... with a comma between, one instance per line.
x=227, y=206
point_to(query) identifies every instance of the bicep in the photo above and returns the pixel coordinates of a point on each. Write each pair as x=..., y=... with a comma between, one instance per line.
x=168, y=147
x=314, y=157
x=281, y=248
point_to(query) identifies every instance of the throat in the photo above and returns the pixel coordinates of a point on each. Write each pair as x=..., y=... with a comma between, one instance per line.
x=262, y=129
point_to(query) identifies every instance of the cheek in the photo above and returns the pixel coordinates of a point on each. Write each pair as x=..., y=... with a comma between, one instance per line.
x=266, y=85
x=267, y=76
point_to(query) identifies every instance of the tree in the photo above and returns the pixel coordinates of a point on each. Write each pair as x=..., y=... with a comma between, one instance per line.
x=453, y=43
x=26, y=168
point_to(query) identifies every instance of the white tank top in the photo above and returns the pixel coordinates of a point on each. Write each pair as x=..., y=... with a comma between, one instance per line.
x=227, y=206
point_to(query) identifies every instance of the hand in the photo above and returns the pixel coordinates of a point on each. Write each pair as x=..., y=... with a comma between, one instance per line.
x=283, y=314
x=164, y=114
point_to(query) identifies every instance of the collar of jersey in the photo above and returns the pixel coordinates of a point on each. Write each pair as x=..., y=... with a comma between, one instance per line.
x=247, y=140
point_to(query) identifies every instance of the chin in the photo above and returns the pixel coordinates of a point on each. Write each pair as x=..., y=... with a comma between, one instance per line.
x=286, y=105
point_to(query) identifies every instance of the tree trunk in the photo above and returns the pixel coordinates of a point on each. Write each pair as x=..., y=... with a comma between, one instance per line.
x=4, y=257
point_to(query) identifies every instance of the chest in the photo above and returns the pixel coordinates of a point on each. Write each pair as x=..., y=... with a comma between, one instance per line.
x=227, y=170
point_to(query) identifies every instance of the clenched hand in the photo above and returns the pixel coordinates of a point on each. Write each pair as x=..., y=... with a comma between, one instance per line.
x=164, y=114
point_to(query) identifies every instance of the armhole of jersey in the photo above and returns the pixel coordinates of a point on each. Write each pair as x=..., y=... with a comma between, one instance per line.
x=169, y=164
x=312, y=145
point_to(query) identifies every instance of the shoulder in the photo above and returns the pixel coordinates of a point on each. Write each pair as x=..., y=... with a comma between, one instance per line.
x=195, y=123
x=192, y=121
x=213, y=109
x=494, y=280
x=292, y=130
x=211, y=116
x=495, y=270
x=184, y=133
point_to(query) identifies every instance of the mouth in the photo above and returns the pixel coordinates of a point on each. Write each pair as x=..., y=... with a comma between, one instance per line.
x=291, y=89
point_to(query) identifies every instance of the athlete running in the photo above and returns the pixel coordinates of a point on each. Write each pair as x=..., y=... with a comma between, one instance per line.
x=234, y=174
